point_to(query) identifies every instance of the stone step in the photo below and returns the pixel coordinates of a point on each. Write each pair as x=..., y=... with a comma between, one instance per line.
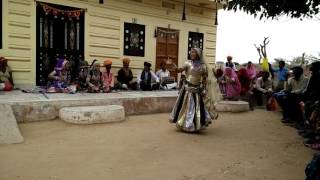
x=232, y=106
x=9, y=131
x=92, y=114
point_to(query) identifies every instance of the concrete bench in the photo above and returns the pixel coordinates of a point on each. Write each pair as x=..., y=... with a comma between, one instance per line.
x=232, y=106
x=92, y=114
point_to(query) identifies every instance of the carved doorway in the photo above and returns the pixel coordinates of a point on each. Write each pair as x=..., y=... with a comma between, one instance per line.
x=167, y=47
x=60, y=34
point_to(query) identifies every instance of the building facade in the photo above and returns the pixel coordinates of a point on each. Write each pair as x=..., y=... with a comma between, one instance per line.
x=34, y=33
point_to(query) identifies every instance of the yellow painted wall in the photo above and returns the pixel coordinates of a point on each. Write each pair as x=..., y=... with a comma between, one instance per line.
x=103, y=31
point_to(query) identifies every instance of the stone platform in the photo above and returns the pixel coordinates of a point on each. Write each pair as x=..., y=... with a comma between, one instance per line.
x=92, y=114
x=28, y=107
x=232, y=106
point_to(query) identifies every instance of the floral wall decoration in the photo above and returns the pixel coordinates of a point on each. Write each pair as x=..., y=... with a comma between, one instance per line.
x=195, y=40
x=134, y=39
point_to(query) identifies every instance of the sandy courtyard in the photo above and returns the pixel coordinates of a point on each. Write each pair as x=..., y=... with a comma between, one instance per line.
x=252, y=145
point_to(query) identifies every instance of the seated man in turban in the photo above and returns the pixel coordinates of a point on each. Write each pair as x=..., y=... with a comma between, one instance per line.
x=125, y=75
x=6, y=81
x=146, y=78
x=107, y=76
x=230, y=64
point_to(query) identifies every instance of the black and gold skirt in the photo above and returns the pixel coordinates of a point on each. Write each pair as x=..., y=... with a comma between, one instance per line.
x=189, y=112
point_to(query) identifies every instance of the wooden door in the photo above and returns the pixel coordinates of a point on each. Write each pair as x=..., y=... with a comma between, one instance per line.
x=167, y=47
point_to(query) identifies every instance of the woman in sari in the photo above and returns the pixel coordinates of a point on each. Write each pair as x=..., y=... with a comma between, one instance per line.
x=244, y=80
x=194, y=108
x=246, y=87
x=251, y=70
x=232, y=83
x=61, y=77
x=220, y=80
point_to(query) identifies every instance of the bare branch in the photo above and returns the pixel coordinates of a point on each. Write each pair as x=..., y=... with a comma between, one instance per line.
x=259, y=52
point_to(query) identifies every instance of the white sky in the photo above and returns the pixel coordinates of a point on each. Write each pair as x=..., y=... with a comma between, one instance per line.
x=238, y=32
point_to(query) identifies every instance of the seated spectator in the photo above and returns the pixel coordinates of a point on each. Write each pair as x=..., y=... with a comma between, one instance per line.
x=251, y=71
x=166, y=82
x=83, y=73
x=244, y=80
x=146, y=78
x=125, y=76
x=289, y=98
x=311, y=97
x=107, y=77
x=262, y=89
x=246, y=86
x=6, y=81
x=312, y=93
x=232, y=84
x=220, y=80
x=60, y=76
x=94, y=79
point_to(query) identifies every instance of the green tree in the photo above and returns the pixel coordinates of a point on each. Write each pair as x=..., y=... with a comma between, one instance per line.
x=305, y=59
x=275, y=8
x=299, y=60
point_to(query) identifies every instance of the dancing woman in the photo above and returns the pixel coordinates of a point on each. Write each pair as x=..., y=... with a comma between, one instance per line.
x=194, y=108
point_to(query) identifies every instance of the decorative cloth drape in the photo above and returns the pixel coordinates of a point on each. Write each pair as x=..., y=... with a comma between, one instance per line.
x=60, y=34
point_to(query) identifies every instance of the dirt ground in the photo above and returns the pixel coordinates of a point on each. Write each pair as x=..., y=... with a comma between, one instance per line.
x=245, y=146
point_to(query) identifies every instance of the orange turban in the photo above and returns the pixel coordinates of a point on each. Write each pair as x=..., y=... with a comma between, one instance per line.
x=107, y=62
x=126, y=60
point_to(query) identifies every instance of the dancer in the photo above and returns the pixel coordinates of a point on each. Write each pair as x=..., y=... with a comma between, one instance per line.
x=194, y=108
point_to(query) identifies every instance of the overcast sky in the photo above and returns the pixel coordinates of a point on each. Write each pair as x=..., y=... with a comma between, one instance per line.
x=238, y=32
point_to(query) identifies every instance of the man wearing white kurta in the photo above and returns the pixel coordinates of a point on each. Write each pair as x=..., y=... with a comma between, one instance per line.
x=162, y=74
